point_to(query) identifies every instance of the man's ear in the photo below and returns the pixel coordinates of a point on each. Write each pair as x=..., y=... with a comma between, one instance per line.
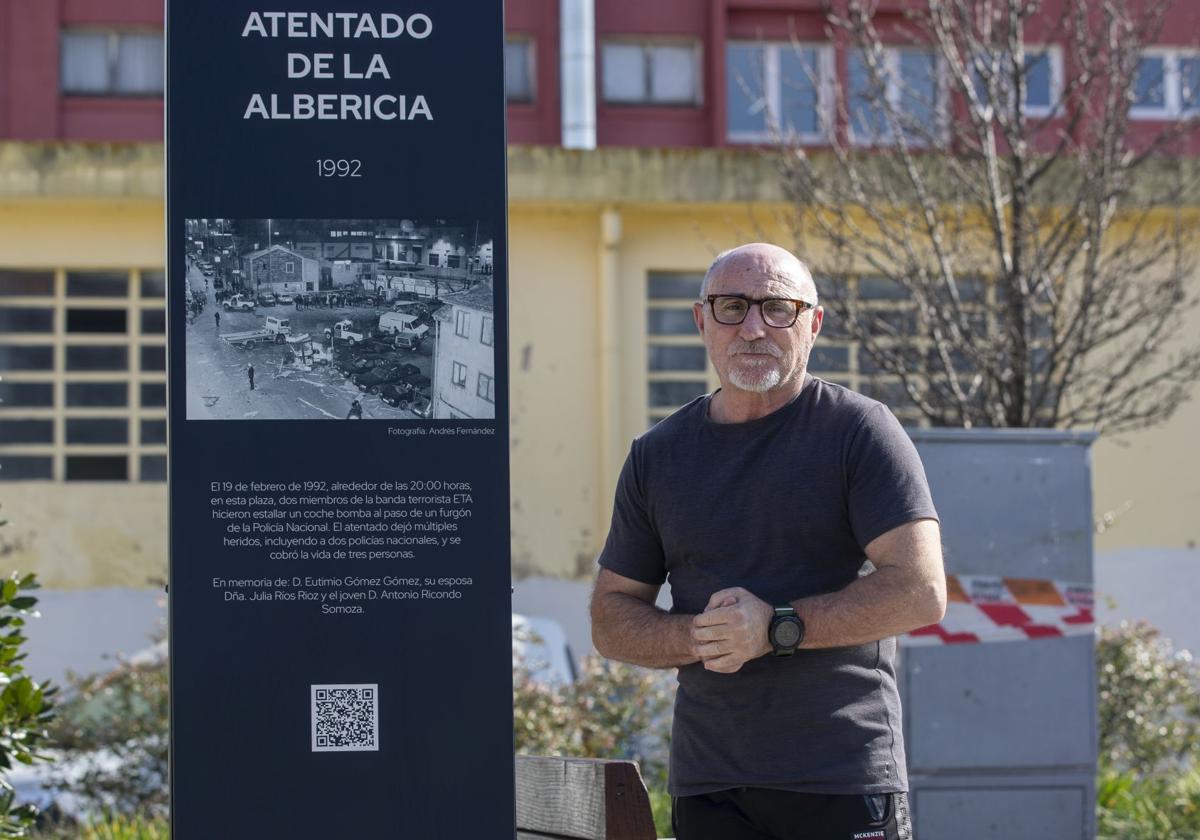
x=818, y=320
x=698, y=315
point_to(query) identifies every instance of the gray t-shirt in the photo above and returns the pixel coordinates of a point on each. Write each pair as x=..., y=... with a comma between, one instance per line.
x=782, y=506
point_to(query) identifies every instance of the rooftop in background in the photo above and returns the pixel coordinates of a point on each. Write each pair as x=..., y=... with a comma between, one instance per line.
x=481, y=298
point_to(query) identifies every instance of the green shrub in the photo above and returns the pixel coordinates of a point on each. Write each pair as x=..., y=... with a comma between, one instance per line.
x=26, y=707
x=1149, y=720
x=112, y=828
x=128, y=828
x=612, y=710
x=112, y=737
x=1131, y=807
x=1149, y=701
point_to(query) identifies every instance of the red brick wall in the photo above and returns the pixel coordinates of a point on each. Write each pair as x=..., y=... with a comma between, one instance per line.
x=31, y=107
x=539, y=122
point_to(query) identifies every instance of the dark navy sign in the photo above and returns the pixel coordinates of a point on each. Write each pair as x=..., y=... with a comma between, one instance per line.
x=340, y=601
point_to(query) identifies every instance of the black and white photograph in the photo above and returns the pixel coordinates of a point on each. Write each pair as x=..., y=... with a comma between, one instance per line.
x=339, y=319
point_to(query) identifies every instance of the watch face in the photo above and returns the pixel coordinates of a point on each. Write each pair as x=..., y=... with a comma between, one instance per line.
x=787, y=634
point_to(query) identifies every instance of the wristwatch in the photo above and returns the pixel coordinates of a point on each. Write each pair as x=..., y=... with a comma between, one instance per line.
x=786, y=631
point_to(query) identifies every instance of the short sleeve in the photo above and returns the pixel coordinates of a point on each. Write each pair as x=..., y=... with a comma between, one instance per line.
x=633, y=548
x=887, y=484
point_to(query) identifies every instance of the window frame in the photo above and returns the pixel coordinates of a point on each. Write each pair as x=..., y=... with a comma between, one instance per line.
x=487, y=393
x=529, y=43
x=462, y=323
x=1055, y=56
x=113, y=49
x=1173, y=108
x=895, y=90
x=143, y=385
x=647, y=45
x=458, y=374
x=772, y=83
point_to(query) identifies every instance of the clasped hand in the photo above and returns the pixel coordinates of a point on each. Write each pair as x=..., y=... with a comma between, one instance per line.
x=732, y=630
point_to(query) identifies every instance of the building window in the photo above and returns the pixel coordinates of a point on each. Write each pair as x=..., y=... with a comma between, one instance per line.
x=97, y=357
x=1043, y=79
x=519, y=73
x=777, y=91
x=1166, y=85
x=651, y=73
x=97, y=284
x=433, y=258
x=458, y=374
x=485, y=332
x=111, y=63
x=154, y=284
x=97, y=468
x=154, y=321
x=888, y=307
x=677, y=369
x=462, y=323
x=289, y=267
x=25, y=357
x=1150, y=87
x=26, y=319
x=154, y=468
x=83, y=358
x=907, y=86
x=486, y=388
x=21, y=283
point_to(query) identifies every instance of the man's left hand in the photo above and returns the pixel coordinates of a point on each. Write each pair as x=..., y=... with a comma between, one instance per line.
x=732, y=630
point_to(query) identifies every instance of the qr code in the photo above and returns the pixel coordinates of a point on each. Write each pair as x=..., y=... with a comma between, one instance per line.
x=345, y=718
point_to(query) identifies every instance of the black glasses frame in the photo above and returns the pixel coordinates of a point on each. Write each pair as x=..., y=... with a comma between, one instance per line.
x=802, y=306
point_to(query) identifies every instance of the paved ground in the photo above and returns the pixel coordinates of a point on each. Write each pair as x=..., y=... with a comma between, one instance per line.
x=218, y=387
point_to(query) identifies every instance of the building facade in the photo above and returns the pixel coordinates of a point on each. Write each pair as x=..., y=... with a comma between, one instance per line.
x=280, y=270
x=637, y=154
x=464, y=376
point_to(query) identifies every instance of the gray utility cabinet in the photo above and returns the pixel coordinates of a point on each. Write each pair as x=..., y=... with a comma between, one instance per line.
x=1001, y=736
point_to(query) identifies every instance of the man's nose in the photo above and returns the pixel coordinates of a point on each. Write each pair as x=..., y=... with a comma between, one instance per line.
x=753, y=325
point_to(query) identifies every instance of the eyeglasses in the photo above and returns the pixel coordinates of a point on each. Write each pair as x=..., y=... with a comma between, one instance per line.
x=776, y=312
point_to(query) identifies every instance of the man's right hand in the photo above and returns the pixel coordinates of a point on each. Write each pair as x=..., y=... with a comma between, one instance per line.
x=732, y=630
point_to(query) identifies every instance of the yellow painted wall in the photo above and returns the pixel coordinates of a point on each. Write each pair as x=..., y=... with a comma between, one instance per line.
x=1148, y=480
x=555, y=409
x=91, y=535
x=63, y=233
x=78, y=535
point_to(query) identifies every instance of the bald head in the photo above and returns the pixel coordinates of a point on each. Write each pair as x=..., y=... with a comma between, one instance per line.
x=764, y=260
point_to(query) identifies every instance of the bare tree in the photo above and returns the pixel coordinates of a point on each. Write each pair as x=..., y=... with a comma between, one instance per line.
x=1044, y=250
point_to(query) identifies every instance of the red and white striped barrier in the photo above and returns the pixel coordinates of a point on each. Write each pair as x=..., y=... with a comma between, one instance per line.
x=997, y=609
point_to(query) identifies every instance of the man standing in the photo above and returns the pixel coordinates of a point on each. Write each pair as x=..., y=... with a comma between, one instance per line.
x=250, y=375
x=762, y=503
x=217, y=320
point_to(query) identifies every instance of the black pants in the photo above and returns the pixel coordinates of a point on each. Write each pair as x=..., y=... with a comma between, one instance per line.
x=762, y=814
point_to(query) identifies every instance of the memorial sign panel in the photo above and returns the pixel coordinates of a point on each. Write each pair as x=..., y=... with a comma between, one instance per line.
x=340, y=591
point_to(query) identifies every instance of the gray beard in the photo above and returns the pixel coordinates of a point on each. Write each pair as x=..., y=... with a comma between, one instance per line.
x=756, y=384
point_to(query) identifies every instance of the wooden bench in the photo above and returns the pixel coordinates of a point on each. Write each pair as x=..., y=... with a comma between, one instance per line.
x=581, y=799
